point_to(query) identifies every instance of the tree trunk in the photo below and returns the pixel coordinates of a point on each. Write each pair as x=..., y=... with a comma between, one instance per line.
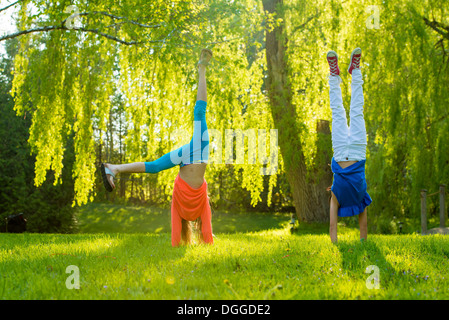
x=307, y=195
x=322, y=172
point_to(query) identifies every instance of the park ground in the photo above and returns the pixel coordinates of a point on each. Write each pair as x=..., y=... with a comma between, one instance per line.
x=125, y=252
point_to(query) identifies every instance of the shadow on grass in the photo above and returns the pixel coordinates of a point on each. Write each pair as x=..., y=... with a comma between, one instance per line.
x=106, y=218
x=311, y=228
x=357, y=255
x=247, y=222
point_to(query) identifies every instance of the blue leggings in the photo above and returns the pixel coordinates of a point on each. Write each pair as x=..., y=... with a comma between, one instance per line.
x=197, y=151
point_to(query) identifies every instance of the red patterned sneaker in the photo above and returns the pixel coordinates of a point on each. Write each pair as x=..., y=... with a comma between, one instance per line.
x=332, y=59
x=355, y=60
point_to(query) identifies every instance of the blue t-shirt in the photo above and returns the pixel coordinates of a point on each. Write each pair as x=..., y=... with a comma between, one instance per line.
x=349, y=187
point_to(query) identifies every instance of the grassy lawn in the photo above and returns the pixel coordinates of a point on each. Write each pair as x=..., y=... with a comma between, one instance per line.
x=254, y=257
x=107, y=218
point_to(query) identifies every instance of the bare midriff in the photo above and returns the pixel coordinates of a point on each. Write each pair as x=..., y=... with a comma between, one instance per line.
x=345, y=164
x=193, y=174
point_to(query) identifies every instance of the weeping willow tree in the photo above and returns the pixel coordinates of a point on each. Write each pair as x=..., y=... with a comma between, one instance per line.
x=407, y=103
x=405, y=68
x=406, y=73
x=293, y=87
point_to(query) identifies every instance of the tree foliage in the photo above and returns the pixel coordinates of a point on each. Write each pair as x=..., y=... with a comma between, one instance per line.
x=48, y=208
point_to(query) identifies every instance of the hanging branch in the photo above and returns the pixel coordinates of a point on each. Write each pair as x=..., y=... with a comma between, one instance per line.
x=96, y=31
x=63, y=27
x=442, y=30
x=301, y=26
x=438, y=27
x=10, y=5
x=442, y=118
x=115, y=17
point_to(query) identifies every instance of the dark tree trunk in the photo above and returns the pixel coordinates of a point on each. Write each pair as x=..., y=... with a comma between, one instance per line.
x=308, y=194
x=321, y=173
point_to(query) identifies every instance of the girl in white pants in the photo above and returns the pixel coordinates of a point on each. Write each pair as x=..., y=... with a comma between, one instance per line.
x=349, y=195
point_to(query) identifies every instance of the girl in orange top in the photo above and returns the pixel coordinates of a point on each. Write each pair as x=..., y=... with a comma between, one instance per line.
x=190, y=204
x=190, y=201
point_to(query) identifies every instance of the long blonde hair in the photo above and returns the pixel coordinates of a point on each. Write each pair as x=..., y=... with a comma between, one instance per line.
x=187, y=231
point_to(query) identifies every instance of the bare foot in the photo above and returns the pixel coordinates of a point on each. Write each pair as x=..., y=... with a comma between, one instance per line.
x=205, y=57
x=114, y=170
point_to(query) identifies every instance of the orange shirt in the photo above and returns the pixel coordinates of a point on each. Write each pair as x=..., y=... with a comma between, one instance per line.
x=189, y=204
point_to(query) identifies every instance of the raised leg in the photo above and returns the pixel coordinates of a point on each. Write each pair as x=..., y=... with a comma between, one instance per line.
x=340, y=130
x=200, y=140
x=197, y=149
x=202, y=87
x=135, y=167
x=198, y=146
x=357, y=129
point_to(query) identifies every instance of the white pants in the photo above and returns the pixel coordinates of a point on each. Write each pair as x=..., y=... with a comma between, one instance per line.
x=349, y=143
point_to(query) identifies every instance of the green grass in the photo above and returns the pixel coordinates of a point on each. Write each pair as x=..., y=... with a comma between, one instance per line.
x=259, y=263
x=106, y=218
